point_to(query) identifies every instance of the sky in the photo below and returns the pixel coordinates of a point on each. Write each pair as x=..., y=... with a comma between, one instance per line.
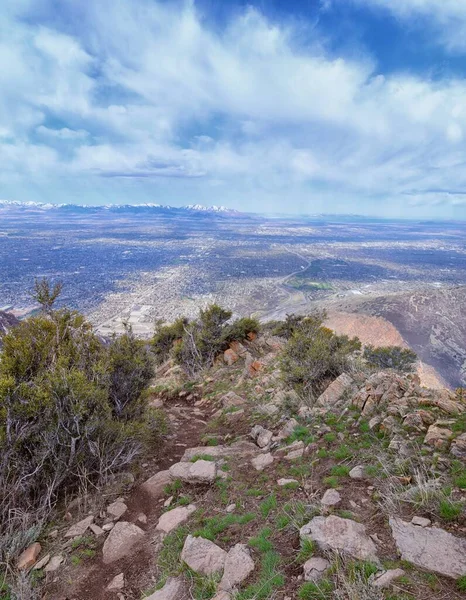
x=291, y=106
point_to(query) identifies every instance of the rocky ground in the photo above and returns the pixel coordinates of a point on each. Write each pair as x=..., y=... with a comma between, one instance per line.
x=256, y=495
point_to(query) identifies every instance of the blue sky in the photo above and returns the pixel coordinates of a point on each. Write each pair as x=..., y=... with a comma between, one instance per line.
x=305, y=106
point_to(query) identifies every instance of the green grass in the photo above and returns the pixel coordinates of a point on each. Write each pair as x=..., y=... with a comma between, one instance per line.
x=361, y=568
x=331, y=481
x=306, y=550
x=340, y=470
x=322, y=453
x=300, y=434
x=330, y=437
x=449, y=510
x=213, y=527
x=261, y=541
x=203, y=587
x=343, y=452
x=208, y=457
x=254, y=492
x=270, y=579
x=268, y=505
x=461, y=583
x=316, y=591
x=282, y=521
x=173, y=488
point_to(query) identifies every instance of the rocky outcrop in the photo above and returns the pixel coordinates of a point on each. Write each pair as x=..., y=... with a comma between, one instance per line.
x=335, y=391
x=238, y=566
x=430, y=548
x=121, y=540
x=203, y=556
x=201, y=471
x=174, y=518
x=156, y=484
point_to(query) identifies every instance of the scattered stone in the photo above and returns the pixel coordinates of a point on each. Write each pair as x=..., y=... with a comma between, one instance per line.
x=201, y=471
x=385, y=579
x=297, y=445
x=174, y=589
x=203, y=556
x=121, y=540
x=231, y=508
x=54, y=563
x=79, y=529
x=331, y=498
x=438, y=437
x=174, y=518
x=335, y=390
x=261, y=436
x=230, y=357
x=29, y=556
x=357, y=472
x=96, y=530
x=117, y=509
x=156, y=484
x=295, y=454
x=458, y=446
x=262, y=461
x=238, y=566
x=142, y=518
x=430, y=548
x=421, y=521
x=287, y=429
x=345, y=535
x=53, y=534
x=108, y=526
x=231, y=399
x=117, y=583
x=237, y=450
x=41, y=564
x=314, y=568
x=282, y=482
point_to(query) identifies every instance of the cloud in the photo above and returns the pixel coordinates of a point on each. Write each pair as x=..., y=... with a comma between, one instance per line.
x=148, y=92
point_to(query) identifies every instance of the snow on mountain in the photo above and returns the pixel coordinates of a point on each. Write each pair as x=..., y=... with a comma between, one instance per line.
x=115, y=207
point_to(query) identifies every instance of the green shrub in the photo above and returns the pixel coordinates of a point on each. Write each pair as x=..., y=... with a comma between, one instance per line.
x=390, y=357
x=165, y=337
x=314, y=355
x=240, y=328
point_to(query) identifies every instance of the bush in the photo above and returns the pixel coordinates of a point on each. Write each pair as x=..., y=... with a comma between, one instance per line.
x=240, y=328
x=314, y=355
x=390, y=357
x=70, y=409
x=165, y=337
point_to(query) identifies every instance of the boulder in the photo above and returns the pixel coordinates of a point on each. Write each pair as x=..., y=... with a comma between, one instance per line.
x=437, y=436
x=335, y=390
x=314, y=568
x=230, y=399
x=201, y=471
x=121, y=540
x=331, y=498
x=174, y=589
x=458, y=446
x=42, y=563
x=344, y=535
x=357, y=472
x=262, y=461
x=117, y=509
x=386, y=578
x=230, y=357
x=174, y=518
x=430, y=548
x=238, y=566
x=79, y=529
x=156, y=484
x=28, y=557
x=117, y=583
x=203, y=556
x=261, y=436
x=239, y=449
x=287, y=429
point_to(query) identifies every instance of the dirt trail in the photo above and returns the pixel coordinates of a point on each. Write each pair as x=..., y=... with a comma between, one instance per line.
x=88, y=581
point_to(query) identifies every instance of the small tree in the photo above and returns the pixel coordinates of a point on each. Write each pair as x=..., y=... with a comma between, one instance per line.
x=390, y=357
x=46, y=294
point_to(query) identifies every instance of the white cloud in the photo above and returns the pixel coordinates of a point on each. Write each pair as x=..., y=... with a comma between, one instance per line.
x=145, y=90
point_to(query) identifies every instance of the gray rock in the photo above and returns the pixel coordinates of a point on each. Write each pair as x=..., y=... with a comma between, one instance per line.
x=117, y=509
x=430, y=548
x=282, y=482
x=238, y=566
x=117, y=583
x=79, y=529
x=261, y=436
x=174, y=518
x=344, y=535
x=96, y=530
x=239, y=449
x=385, y=579
x=331, y=498
x=201, y=471
x=335, y=390
x=156, y=484
x=174, y=589
x=262, y=461
x=41, y=564
x=287, y=429
x=121, y=540
x=421, y=521
x=314, y=568
x=357, y=472
x=54, y=563
x=222, y=596
x=231, y=399
x=203, y=556
x=458, y=446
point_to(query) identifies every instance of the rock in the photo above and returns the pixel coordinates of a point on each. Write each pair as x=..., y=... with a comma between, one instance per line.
x=335, y=390
x=41, y=564
x=430, y=548
x=237, y=450
x=201, y=471
x=331, y=498
x=238, y=566
x=357, y=472
x=295, y=454
x=117, y=583
x=174, y=589
x=79, y=529
x=421, y=521
x=174, y=518
x=297, y=445
x=345, y=535
x=222, y=596
x=117, y=509
x=414, y=421
x=231, y=508
x=261, y=436
x=108, y=526
x=437, y=436
x=203, y=556
x=282, y=482
x=230, y=357
x=156, y=484
x=262, y=461
x=54, y=563
x=385, y=579
x=96, y=530
x=458, y=446
x=142, y=518
x=121, y=540
x=314, y=568
x=231, y=399
x=28, y=557
x=287, y=429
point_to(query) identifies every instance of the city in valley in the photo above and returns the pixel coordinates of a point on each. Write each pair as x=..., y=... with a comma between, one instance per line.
x=143, y=263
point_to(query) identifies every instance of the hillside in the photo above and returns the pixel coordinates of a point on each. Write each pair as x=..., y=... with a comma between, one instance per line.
x=7, y=321
x=357, y=495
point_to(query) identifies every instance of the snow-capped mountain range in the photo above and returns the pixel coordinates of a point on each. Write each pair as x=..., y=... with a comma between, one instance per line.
x=115, y=207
